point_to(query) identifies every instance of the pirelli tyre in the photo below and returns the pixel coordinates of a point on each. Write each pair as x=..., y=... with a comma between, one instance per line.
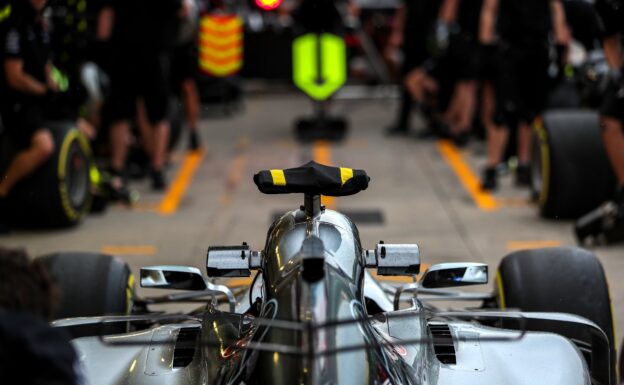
x=562, y=280
x=92, y=285
x=59, y=192
x=570, y=171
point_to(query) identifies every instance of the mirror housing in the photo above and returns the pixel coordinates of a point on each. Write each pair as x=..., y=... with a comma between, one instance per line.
x=232, y=261
x=172, y=277
x=394, y=259
x=454, y=275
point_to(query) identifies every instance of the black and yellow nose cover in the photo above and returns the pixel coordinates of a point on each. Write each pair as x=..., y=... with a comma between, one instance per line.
x=314, y=179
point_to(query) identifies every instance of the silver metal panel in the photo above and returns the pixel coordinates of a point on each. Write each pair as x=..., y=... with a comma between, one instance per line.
x=538, y=358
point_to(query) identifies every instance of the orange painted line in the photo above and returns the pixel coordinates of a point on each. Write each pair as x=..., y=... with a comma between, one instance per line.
x=129, y=250
x=484, y=200
x=527, y=245
x=321, y=153
x=170, y=202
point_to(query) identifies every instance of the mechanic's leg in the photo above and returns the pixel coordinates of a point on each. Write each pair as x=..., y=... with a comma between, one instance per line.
x=525, y=135
x=401, y=126
x=497, y=136
x=120, y=140
x=161, y=142
x=462, y=112
x=26, y=162
x=525, y=141
x=191, y=104
x=613, y=139
x=145, y=128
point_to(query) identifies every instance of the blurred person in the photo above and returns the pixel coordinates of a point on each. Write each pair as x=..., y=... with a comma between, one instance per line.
x=521, y=87
x=141, y=33
x=611, y=13
x=396, y=43
x=415, y=20
x=465, y=14
x=26, y=85
x=183, y=73
x=31, y=351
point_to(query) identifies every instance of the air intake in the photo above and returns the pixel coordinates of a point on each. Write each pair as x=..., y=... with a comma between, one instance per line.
x=443, y=343
x=185, y=345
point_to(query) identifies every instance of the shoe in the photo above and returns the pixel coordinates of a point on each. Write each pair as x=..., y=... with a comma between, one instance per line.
x=523, y=175
x=194, y=141
x=158, y=180
x=490, y=179
x=437, y=130
x=397, y=130
x=461, y=140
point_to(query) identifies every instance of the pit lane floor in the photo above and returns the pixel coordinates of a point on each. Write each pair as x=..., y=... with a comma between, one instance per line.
x=423, y=190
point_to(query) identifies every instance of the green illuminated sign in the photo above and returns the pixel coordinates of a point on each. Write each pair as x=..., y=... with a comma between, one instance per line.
x=5, y=13
x=319, y=64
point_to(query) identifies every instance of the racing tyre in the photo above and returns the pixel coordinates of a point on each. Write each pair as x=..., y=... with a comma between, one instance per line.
x=92, y=285
x=57, y=194
x=571, y=174
x=563, y=280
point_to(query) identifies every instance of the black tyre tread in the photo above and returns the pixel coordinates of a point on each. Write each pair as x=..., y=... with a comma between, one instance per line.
x=579, y=177
x=565, y=280
x=91, y=284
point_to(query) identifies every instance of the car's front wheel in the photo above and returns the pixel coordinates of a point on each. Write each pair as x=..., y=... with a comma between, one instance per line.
x=563, y=280
x=92, y=285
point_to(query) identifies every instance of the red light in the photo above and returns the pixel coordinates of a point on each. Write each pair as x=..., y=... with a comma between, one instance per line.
x=268, y=5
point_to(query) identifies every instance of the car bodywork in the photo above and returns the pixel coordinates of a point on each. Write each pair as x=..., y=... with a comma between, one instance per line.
x=315, y=315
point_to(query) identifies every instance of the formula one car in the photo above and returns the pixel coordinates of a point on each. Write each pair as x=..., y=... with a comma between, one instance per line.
x=314, y=313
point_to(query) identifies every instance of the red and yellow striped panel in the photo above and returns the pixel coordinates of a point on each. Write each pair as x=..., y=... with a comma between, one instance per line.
x=221, y=45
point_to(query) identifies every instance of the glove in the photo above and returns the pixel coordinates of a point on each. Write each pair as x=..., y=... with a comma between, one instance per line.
x=440, y=39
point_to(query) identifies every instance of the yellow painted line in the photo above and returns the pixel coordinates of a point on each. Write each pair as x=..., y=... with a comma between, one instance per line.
x=321, y=153
x=525, y=245
x=170, y=202
x=399, y=279
x=484, y=200
x=129, y=250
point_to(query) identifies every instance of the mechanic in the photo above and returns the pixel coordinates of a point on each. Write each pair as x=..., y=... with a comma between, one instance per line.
x=140, y=33
x=26, y=84
x=523, y=29
x=396, y=41
x=611, y=13
x=31, y=351
x=463, y=16
x=183, y=73
x=417, y=18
